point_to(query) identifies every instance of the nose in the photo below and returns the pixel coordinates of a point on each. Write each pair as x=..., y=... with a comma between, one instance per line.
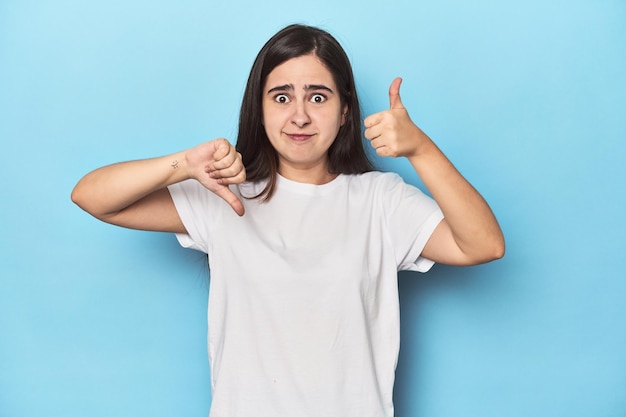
x=300, y=116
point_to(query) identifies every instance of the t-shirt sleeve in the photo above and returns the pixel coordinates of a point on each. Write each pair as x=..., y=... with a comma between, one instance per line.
x=412, y=216
x=192, y=203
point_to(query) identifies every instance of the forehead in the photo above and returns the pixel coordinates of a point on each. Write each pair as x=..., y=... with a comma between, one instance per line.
x=300, y=71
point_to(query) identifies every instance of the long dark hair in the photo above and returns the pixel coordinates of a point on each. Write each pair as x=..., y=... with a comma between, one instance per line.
x=347, y=154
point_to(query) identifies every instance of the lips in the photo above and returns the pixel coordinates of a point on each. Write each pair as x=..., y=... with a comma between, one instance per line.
x=299, y=137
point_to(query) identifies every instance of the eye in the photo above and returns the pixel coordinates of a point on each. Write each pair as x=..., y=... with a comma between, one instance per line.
x=281, y=98
x=318, y=98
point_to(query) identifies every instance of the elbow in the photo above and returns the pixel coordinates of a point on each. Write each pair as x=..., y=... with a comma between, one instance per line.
x=77, y=197
x=83, y=199
x=497, y=249
x=491, y=250
x=90, y=201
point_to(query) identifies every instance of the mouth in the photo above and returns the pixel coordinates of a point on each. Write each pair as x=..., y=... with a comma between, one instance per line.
x=299, y=137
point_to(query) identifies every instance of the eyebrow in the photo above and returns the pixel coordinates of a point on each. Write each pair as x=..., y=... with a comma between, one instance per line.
x=309, y=87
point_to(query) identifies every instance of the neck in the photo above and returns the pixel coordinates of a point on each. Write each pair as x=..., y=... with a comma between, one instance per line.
x=317, y=176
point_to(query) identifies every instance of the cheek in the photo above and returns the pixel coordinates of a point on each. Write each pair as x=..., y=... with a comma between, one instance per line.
x=271, y=119
x=335, y=120
x=272, y=127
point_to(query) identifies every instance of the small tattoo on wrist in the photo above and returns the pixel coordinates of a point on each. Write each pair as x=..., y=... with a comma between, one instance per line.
x=175, y=164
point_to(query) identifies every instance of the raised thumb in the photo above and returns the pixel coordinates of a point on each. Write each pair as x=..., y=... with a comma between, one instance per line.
x=394, y=94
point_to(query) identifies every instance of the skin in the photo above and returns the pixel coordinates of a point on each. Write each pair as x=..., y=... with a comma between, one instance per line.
x=302, y=114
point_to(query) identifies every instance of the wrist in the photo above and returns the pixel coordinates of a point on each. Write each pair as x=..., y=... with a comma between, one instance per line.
x=424, y=148
x=177, y=167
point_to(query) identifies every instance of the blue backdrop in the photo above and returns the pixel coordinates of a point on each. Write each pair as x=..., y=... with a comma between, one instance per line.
x=528, y=99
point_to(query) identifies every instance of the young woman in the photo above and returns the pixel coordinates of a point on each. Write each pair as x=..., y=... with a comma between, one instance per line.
x=304, y=239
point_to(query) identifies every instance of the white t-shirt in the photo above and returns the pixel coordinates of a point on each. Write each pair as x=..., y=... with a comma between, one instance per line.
x=303, y=303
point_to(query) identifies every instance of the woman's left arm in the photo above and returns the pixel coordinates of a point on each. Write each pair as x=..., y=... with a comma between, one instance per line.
x=469, y=233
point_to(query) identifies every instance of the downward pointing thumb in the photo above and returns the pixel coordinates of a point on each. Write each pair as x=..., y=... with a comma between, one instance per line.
x=394, y=94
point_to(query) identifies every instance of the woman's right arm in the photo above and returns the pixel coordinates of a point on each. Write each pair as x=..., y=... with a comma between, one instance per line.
x=134, y=194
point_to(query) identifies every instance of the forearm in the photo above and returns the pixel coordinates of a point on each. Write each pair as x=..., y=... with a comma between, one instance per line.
x=113, y=188
x=472, y=223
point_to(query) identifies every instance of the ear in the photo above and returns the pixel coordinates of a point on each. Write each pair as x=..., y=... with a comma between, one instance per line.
x=344, y=114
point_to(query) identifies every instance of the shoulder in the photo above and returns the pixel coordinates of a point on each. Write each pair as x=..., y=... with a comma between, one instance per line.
x=386, y=190
x=390, y=190
x=376, y=181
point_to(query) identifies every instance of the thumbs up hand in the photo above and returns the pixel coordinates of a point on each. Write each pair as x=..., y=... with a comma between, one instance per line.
x=392, y=132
